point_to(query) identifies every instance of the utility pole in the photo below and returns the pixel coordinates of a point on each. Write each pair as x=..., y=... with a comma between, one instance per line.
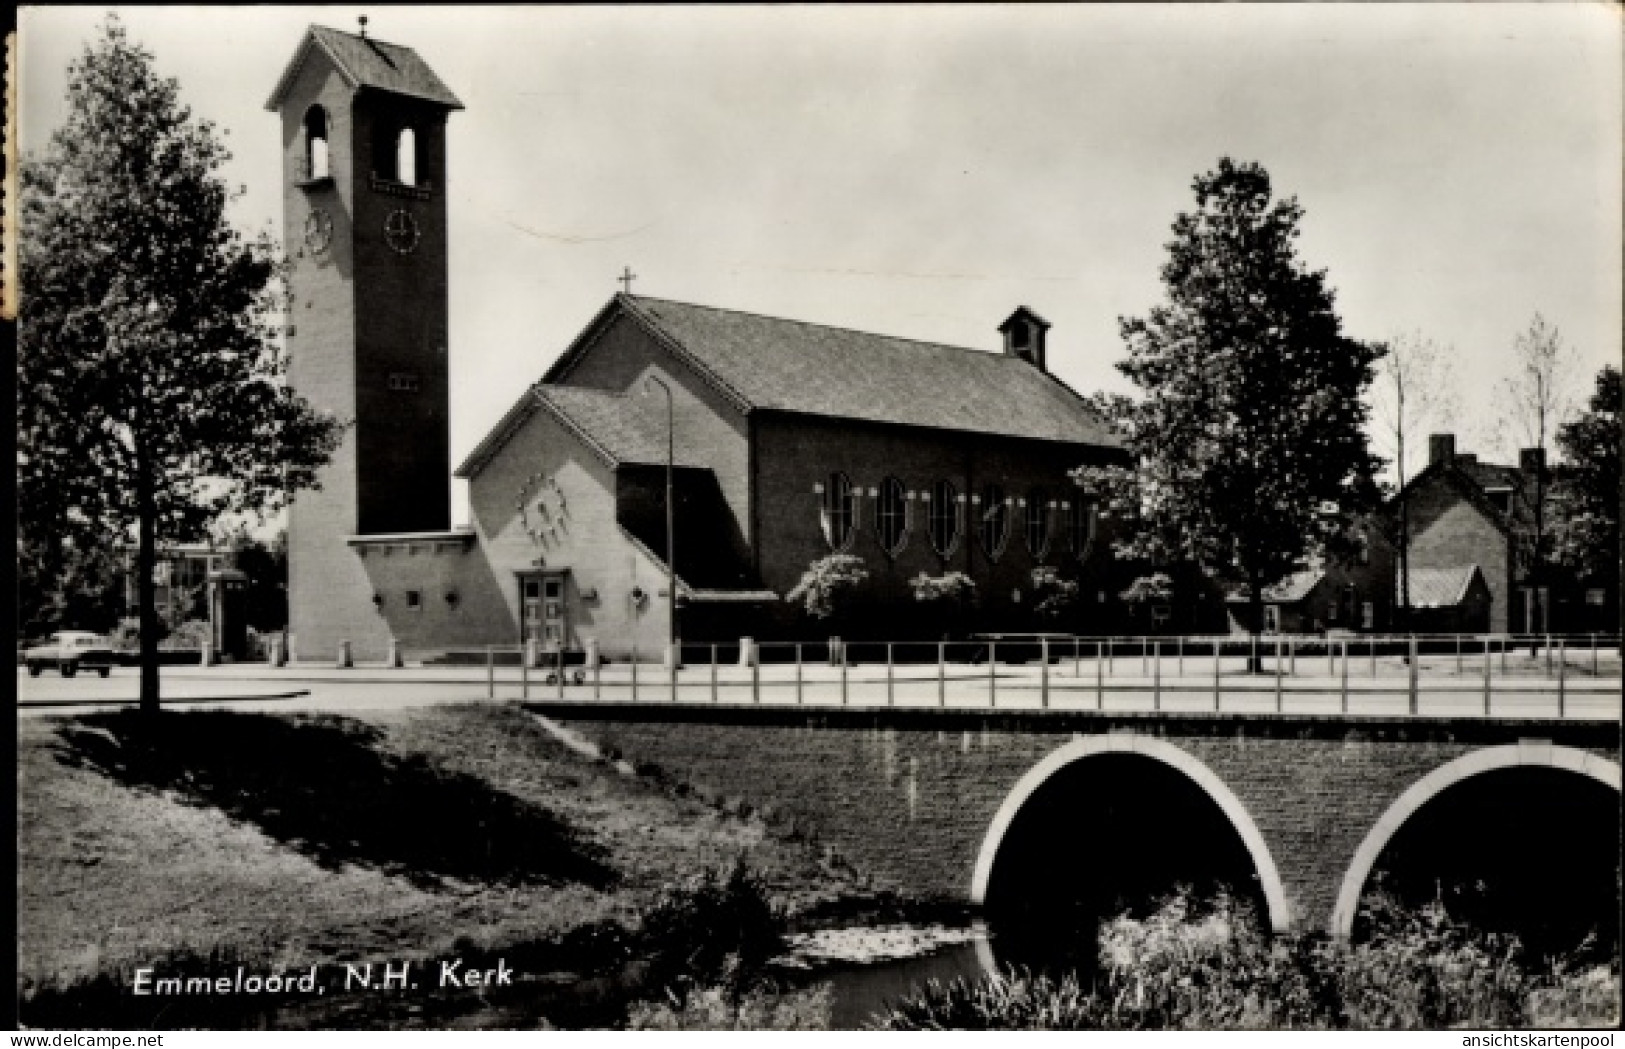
x=671, y=515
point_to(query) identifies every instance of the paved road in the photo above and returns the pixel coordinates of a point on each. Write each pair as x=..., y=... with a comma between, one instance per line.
x=1128, y=686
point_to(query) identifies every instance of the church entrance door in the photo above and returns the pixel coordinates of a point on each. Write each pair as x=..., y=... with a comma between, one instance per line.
x=544, y=614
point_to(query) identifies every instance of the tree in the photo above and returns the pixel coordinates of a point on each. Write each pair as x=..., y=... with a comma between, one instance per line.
x=265, y=564
x=1586, y=491
x=1248, y=440
x=1536, y=400
x=60, y=585
x=151, y=382
x=1413, y=393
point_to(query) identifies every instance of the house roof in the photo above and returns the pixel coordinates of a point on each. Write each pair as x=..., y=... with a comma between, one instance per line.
x=769, y=363
x=1294, y=587
x=1439, y=587
x=365, y=62
x=1474, y=481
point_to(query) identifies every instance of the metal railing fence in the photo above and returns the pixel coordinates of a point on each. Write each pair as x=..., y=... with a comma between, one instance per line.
x=1410, y=675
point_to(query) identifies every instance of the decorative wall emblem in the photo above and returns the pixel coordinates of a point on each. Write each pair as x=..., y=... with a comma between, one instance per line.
x=543, y=510
x=318, y=230
x=401, y=231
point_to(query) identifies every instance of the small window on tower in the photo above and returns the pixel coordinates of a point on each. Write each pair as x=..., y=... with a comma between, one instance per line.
x=403, y=382
x=315, y=165
x=406, y=157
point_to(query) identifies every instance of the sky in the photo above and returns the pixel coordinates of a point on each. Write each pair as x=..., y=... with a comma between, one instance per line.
x=921, y=171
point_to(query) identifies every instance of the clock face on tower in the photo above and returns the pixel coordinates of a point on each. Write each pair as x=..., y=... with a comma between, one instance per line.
x=401, y=231
x=318, y=231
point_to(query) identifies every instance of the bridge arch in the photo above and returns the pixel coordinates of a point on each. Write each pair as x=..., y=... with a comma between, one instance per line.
x=1269, y=877
x=1427, y=788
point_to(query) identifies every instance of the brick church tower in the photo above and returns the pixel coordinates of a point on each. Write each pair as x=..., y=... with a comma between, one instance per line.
x=364, y=213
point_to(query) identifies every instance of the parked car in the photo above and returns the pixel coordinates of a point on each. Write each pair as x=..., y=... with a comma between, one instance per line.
x=68, y=651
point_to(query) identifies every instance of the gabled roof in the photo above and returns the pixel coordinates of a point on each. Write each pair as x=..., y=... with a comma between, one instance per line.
x=1029, y=313
x=630, y=429
x=1293, y=588
x=623, y=429
x=768, y=363
x=1470, y=480
x=1439, y=587
x=365, y=62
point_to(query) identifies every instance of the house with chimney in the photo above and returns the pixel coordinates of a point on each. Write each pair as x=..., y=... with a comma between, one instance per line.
x=1472, y=528
x=787, y=441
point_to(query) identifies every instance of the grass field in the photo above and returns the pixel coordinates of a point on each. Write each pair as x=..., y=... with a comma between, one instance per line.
x=287, y=840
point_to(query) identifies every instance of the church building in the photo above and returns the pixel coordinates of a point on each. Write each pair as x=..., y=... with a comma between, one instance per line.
x=787, y=441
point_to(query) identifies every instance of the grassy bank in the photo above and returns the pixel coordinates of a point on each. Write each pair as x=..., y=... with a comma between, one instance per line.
x=1207, y=967
x=204, y=840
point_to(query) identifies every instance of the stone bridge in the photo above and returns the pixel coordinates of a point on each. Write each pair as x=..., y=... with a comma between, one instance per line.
x=930, y=802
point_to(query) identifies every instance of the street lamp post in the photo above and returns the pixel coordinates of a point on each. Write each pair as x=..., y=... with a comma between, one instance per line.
x=671, y=510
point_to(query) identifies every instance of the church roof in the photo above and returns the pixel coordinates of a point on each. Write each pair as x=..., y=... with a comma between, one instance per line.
x=365, y=62
x=625, y=428
x=768, y=363
x=785, y=365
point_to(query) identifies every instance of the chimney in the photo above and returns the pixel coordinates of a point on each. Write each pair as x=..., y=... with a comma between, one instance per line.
x=1532, y=461
x=1024, y=333
x=1441, y=448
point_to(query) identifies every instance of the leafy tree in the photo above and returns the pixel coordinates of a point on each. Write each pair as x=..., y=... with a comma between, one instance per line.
x=153, y=394
x=1248, y=439
x=265, y=566
x=1413, y=392
x=1586, y=493
x=61, y=585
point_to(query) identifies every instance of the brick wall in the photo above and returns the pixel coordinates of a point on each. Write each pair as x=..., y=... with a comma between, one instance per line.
x=587, y=541
x=359, y=313
x=403, y=437
x=1447, y=532
x=793, y=453
x=708, y=428
x=328, y=592
x=909, y=796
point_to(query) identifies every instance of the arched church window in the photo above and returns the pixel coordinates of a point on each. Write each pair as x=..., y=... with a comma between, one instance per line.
x=891, y=516
x=1038, y=504
x=316, y=163
x=406, y=157
x=944, y=518
x=1081, y=522
x=995, y=517
x=838, y=512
